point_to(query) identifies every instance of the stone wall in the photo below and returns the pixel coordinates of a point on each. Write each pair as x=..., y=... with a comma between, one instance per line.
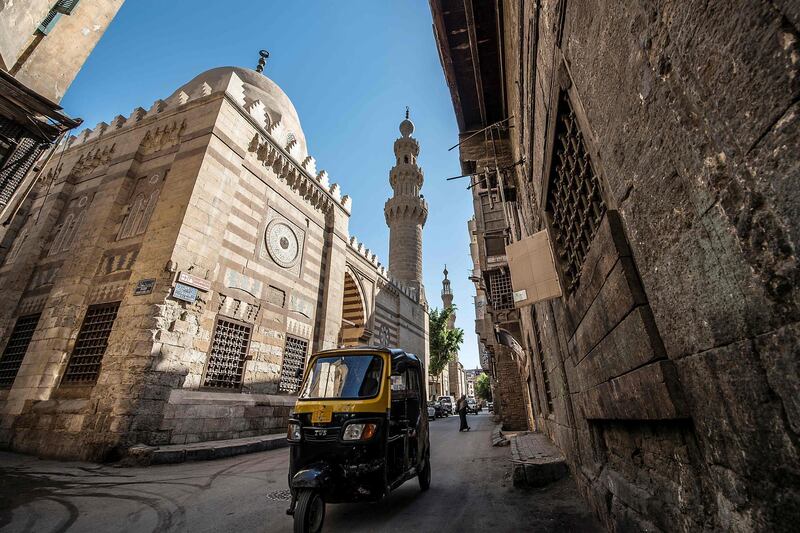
x=18, y=21
x=194, y=416
x=672, y=368
x=184, y=188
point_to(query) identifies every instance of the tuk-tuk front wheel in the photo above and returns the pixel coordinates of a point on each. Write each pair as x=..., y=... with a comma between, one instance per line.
x=424, y=475
x=309, y=512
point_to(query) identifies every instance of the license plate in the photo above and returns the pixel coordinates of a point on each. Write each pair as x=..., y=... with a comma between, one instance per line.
x=323, y=414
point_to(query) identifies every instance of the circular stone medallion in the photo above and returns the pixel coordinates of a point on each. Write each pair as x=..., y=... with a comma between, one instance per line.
x=282, y=243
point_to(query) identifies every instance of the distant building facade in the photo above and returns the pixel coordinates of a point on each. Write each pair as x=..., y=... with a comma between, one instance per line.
x=656, y=144
x=176, y=269
x=470, y=376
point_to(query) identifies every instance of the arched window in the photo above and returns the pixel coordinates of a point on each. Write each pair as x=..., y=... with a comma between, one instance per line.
x=148, y=212
x=71, y=235
x=17, y=246
x=132, y=219
x=405, y=159
x=55, y=247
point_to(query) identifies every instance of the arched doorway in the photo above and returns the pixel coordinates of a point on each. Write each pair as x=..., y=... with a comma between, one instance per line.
x=353, y=313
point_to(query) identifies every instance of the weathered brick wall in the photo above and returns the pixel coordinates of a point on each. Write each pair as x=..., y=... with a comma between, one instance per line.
x=672, y=368
x=508, y=390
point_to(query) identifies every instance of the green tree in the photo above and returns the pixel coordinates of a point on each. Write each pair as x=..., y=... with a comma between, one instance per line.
x=444, y=342
x=483, y=387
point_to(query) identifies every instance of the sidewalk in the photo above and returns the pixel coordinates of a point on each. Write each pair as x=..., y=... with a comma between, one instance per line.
x=536, y=462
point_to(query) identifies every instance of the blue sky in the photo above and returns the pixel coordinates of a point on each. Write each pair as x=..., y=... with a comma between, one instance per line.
x=350, y=68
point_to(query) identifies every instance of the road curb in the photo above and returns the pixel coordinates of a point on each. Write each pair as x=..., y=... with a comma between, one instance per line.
x=142, y=455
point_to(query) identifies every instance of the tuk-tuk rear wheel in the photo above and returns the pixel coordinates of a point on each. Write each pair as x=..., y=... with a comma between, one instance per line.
x=309, y=512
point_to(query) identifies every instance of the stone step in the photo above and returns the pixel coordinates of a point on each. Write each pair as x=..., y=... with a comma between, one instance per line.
x=202, y=451
x=498, y=439
x=535, y=461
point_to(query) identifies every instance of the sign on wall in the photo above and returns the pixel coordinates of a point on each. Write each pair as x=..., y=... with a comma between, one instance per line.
x=144, y=286
x=194, y=281
x=184, y=292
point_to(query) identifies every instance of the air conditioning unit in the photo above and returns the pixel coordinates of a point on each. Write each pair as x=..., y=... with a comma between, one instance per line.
x=534, y=277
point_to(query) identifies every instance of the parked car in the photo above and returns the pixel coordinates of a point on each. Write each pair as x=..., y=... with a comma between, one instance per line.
x=448, y=404
x=490, y=407
x=438, y=411
x=431, y=411
x=473, y=407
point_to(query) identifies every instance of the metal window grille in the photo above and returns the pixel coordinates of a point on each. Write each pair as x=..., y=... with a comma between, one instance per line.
x=540, y=351
x=66, y=6
x=15, y=350
x=501, y=293
x=294, y=364
x=229, y=347
x=61, y=7
x=90, y=346
x=574, y=200
x=20, y=150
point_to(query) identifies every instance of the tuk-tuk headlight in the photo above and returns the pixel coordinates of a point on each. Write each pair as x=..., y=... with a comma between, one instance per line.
x=294, y=432
x=359, y=431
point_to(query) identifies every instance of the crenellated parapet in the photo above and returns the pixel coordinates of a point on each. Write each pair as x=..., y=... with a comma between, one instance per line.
x=277, y=144
x=385, y=279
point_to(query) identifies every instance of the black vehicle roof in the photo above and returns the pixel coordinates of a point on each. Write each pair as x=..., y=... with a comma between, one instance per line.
x=397, y=354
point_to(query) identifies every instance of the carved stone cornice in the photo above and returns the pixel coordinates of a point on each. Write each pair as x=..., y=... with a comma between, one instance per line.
x=92, y=160
x=313, y=189
x=162, y=137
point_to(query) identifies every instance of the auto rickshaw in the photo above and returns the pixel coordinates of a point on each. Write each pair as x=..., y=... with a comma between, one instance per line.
x=359, y=430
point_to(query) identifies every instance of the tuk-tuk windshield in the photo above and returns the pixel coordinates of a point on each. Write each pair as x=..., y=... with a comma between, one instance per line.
x=343, y=377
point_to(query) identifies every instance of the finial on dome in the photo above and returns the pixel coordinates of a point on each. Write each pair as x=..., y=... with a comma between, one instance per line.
x=262, y=60
x=445, y=271
x=406, y=127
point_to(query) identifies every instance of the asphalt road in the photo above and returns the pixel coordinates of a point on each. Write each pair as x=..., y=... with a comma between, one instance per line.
x=471, y=490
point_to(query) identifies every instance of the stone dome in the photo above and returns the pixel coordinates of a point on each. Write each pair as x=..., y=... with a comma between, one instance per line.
x=256, y=87
x=406, y=128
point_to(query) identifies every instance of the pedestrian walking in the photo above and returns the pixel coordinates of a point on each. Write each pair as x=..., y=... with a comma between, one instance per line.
x=461, y=407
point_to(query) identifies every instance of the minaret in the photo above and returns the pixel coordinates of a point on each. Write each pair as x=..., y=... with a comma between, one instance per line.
x=453, y=382
x=406, y=211
x=447, y=298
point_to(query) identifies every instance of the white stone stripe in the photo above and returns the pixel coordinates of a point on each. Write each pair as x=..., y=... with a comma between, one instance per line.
x=232, y=238
x=246, y=209
x=242, y=224
x=233, y=256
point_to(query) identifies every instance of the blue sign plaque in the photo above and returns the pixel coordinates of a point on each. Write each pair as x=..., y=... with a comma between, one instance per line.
x=184, y=292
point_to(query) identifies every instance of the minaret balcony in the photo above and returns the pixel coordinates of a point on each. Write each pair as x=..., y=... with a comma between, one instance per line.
x=408, y=207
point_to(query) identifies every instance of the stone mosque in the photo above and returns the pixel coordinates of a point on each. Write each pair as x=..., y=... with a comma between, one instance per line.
x=178, y=265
